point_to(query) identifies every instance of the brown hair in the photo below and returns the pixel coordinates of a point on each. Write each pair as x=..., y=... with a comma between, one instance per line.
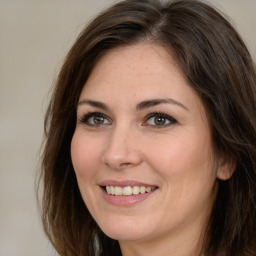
x=217, y=65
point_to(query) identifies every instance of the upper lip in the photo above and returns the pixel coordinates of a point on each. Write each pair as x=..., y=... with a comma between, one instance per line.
x=125, y=183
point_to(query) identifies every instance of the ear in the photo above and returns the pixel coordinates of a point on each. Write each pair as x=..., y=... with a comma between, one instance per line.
x=226, y=170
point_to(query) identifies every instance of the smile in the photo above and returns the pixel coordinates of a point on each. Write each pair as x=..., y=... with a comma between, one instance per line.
x=128, y=190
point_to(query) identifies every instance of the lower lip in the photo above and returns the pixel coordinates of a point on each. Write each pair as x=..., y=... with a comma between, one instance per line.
x=126, y=200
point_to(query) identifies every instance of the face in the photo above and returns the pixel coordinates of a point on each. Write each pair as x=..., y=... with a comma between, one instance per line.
x=142, y=149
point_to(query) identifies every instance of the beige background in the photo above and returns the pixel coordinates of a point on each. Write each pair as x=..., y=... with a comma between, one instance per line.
x=34, y=38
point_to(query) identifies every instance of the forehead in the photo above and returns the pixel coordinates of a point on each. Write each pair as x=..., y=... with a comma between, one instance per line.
x=142, y=55
x=141, y=66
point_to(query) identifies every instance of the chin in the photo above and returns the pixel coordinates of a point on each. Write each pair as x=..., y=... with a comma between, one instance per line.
x=126, y=230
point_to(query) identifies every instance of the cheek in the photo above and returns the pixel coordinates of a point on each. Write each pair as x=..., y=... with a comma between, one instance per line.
x=85, y=156
x=183, y=158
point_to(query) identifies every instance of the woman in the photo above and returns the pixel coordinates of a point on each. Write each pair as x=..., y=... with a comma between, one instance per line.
x=151, y=136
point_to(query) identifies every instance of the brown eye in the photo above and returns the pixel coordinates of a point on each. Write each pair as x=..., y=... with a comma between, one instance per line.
x=98, y=120
x=159, y=120
x=95, y=119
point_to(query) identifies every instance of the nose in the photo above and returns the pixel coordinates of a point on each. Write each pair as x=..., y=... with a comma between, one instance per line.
x=121, y=150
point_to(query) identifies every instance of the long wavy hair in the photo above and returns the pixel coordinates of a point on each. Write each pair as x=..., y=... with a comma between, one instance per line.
x=216, y=64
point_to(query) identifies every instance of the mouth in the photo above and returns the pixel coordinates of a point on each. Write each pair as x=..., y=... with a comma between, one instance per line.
x=126, y=193
x=128, y=190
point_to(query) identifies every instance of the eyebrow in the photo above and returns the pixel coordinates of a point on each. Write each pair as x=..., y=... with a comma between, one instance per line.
x=153, y=102
x=94, y=103
x=140, y=106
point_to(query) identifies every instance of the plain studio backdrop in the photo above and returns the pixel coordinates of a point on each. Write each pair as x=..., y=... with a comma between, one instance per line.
x=34, y=39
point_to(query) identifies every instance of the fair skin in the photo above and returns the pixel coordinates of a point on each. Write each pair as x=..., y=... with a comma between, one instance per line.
x=140, y=125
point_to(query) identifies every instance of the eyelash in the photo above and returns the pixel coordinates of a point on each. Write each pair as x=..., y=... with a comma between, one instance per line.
x=166, y=118
x=85, y=119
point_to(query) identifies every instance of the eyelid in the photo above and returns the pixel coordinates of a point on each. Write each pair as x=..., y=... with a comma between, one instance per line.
x=84, y=119
x=171, y=120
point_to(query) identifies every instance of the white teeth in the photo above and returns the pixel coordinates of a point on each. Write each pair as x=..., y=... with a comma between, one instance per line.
x=128, y=190
x=108, y=189
x=148, y=189
x=112, y=190
x=142, y=190
x=136, y=190
x=118, y=191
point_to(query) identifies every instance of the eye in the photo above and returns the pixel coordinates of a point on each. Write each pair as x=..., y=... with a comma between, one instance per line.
x=95, y=119
x=159, y=120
